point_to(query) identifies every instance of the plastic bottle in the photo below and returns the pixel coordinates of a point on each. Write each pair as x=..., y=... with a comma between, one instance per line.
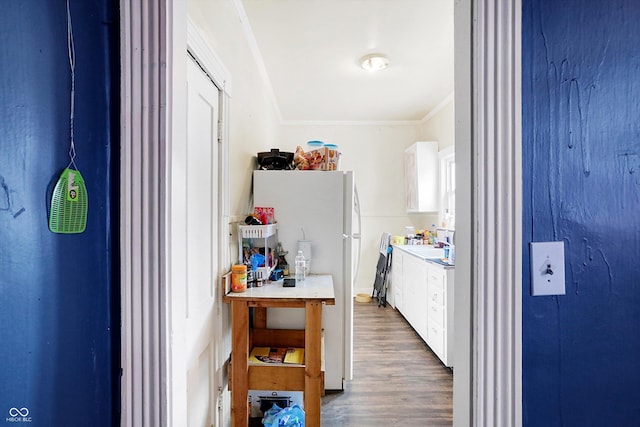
x=452, y=254
x=300, y=267
x=447, y=247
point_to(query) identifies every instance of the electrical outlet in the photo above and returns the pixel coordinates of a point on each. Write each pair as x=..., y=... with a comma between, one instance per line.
x=547, y=268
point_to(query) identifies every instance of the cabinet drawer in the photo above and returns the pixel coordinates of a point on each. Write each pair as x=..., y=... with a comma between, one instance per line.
x=437, y=277
x=435, y=339
x=436, y=313
x=435, y=295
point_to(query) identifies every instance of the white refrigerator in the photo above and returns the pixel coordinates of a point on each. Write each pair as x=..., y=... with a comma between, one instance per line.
x=321, y=207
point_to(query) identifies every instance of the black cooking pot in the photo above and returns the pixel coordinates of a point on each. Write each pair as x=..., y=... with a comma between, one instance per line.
x=275, y=160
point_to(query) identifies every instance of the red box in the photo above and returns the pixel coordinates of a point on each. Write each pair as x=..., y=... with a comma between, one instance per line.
x=265, y=214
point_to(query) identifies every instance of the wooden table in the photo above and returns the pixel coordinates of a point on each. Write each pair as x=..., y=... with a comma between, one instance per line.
x=310, y=295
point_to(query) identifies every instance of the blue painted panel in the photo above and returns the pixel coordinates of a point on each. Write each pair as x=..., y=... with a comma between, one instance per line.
x=581, y=171
x=59, y=307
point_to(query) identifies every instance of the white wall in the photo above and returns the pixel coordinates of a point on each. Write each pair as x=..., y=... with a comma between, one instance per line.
x=440, y=125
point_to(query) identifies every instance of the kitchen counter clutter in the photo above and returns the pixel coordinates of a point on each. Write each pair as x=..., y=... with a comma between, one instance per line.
x=311, y=294
x=421, y=288
x=426, y=252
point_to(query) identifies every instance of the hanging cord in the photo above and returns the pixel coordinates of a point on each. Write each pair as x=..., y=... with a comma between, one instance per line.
x=72, y=65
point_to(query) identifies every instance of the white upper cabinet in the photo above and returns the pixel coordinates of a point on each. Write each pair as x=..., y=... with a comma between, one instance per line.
x=421, y=177
x=447, y=214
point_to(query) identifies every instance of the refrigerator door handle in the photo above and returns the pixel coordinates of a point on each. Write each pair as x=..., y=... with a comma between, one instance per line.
x=353, y=236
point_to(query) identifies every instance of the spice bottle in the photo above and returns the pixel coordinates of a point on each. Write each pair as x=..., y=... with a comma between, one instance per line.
x=284, y=266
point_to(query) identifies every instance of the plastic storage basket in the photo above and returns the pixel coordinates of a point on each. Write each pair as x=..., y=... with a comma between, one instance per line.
x=257, y=231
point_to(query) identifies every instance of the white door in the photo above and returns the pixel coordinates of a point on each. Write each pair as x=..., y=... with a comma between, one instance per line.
x=194, y=253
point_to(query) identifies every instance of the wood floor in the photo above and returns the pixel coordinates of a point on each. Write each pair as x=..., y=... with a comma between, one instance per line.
x=397, y=380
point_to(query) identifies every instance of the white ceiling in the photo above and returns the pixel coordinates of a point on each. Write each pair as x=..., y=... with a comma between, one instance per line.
x=311, y=50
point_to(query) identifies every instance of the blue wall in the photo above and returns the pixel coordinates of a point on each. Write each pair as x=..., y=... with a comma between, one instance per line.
x=581, y=167
x=59, y=312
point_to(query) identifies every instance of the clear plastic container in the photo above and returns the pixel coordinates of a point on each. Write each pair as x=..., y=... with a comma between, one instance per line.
x=332, y=157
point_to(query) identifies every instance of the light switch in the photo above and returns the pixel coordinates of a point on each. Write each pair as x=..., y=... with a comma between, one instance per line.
x=547, y=268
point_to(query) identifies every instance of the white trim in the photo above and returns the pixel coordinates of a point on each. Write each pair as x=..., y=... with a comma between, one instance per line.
x=176, y=107
x=497, y=281
x=143, y=134
x=488, y=282
x=447, y=152
x=216, y=70
x=435, y=110
x=350, y=123
x=463, y=378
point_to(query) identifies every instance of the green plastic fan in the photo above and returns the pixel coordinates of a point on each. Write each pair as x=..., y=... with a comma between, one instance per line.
x=69, y=204
x=69, y=201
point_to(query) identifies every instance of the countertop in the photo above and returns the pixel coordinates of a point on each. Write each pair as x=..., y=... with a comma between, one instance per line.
x=427, y=253
x=314, y=287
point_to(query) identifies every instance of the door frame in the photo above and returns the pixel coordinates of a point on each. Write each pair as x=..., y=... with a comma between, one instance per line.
x=144, y=142
x=488, y=281
x=487, y=384
x=155, y=37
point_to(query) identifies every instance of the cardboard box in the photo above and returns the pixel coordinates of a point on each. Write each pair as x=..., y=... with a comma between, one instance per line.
x=261, y=400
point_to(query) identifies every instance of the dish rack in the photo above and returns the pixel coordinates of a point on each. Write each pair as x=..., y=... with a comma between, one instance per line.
x=259, y=239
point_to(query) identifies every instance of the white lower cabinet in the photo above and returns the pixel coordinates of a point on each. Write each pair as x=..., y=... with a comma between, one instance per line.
x=414, y=281
x=423, y=293
x=395, y=286
x=438, y=311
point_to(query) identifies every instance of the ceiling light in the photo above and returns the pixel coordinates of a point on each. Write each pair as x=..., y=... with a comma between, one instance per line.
x=374, y=62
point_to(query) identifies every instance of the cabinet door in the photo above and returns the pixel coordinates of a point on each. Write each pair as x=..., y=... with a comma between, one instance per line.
x=411, y=179
x=440, y=333
x=421, y=177
x=396, y=279
x=421, y=321
x=415, y=293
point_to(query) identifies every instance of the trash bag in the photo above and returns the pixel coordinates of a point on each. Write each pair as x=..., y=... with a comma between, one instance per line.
x=291, y=416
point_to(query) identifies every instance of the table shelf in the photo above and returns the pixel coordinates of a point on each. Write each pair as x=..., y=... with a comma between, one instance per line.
x=308, y=378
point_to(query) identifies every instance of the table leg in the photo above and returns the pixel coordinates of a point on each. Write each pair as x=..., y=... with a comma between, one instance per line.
x=312, y=354
x=239, y=363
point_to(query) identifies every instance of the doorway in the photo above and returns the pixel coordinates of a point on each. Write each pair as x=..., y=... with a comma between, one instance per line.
x=473, y=386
